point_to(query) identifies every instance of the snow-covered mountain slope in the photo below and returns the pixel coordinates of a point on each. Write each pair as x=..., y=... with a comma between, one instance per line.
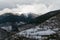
x=36, y=32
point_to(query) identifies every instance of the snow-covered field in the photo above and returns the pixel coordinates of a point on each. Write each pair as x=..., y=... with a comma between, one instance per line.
x=36, y=33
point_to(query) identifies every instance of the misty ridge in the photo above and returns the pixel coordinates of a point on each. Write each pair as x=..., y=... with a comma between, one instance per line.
x=30, y=19
x=10, y=17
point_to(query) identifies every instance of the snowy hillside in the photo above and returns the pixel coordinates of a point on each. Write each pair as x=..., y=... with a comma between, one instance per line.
x=36, y=33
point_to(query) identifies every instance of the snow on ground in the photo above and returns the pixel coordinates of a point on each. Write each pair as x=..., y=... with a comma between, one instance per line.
x=8, y=28
x=36, y=32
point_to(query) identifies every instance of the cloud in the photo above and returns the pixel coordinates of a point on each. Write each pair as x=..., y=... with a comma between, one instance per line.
x=25, y=6
x=12, y=3
x=34, y=8
x=25, y=9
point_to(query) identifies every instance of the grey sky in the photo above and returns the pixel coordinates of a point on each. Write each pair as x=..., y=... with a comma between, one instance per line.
x=12, y=3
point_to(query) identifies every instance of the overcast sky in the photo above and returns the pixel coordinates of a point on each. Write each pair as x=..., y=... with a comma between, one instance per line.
x=26, y=6
x=12, y=3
